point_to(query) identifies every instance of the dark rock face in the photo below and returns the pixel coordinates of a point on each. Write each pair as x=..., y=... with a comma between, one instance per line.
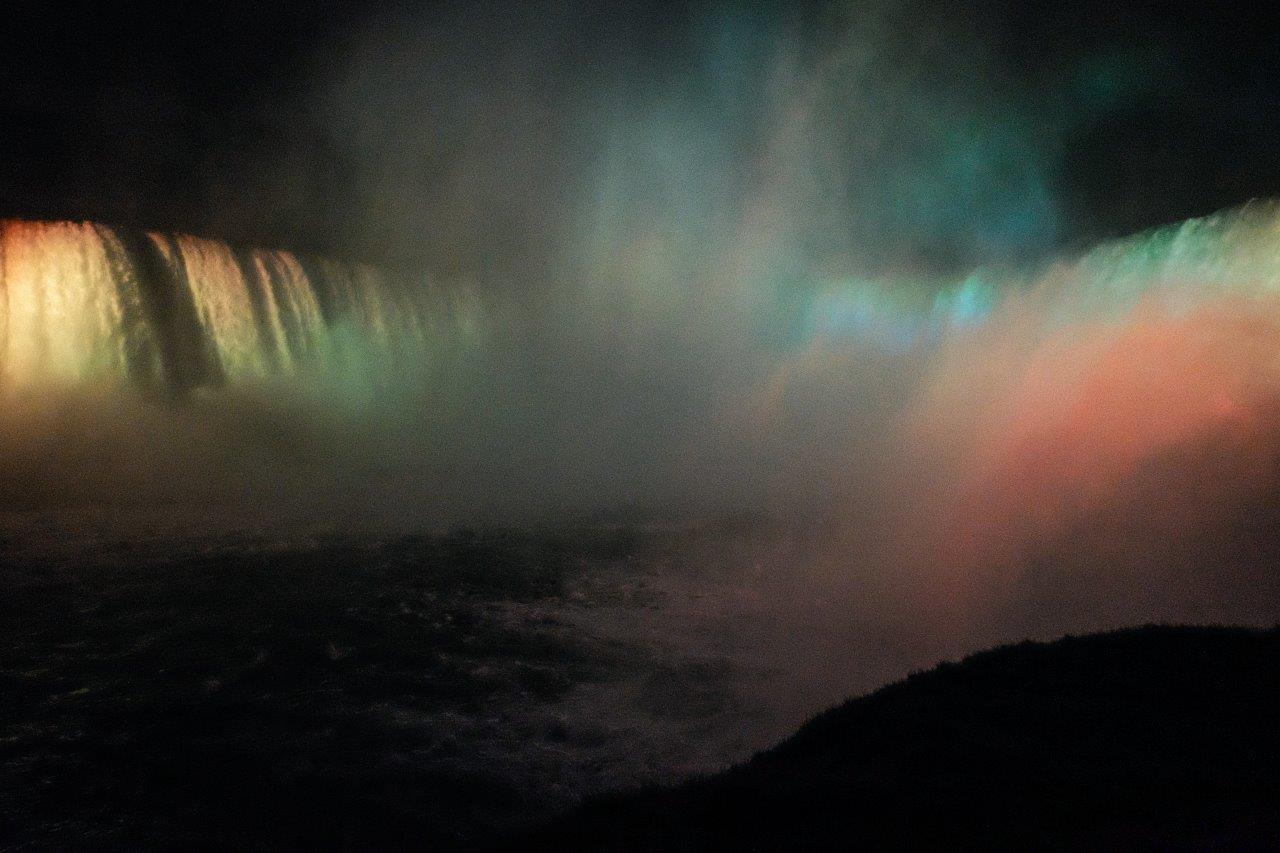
x=1150, y=738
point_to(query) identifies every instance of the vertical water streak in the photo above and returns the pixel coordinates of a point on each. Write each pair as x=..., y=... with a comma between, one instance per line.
x=61, y=314
x=187, y=357
x=87, y=302
x=224, y=306
x=135, y=341
x=300, y=311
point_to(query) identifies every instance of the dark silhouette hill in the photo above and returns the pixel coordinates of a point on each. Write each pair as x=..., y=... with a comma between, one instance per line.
x=1147, y=738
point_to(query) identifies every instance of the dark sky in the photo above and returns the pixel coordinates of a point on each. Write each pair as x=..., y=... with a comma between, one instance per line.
x=486, y=134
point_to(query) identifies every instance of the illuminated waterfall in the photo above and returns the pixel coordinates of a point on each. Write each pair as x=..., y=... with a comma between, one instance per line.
x=81, y=301
x=1232, y=254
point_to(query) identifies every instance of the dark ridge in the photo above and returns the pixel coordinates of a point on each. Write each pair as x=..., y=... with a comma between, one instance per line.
x=1147, y=738
x=187, y=357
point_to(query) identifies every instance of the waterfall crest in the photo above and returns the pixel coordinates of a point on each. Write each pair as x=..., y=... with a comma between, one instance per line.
x=80, y=301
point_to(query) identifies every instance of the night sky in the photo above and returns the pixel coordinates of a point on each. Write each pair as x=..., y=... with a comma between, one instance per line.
x=468, y=136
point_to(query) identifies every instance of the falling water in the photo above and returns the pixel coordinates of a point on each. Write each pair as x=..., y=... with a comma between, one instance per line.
x=80, y=301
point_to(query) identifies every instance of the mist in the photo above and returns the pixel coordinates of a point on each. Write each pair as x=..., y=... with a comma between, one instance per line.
x=826, y=269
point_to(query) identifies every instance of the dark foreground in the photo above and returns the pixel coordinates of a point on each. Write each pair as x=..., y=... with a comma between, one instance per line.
x=461, y=691
x=1152, y=738
x=369, y=692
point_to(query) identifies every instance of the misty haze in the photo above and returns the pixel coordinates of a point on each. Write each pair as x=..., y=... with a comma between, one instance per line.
x=506, y=425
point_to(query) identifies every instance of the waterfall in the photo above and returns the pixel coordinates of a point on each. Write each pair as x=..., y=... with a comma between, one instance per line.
x=81, y=301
